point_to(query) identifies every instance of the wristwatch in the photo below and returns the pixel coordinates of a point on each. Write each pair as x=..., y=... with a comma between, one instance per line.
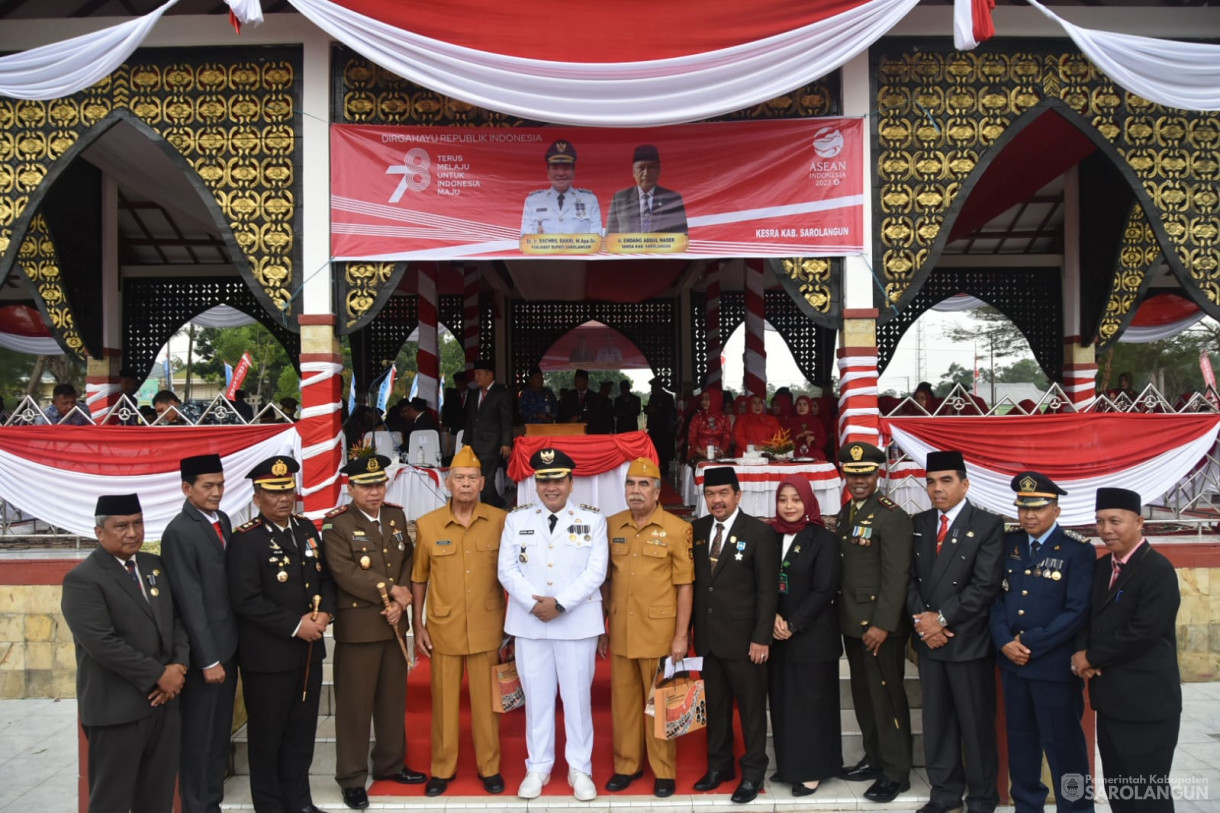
x=940, y=617
x=559, y=607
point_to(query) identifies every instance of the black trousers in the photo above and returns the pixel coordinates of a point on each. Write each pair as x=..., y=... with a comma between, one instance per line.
x=1135, y=759
x=133, y=766
x=725, y=681
x=880, y=699
x=207, y=731
x=959, y=721
x=491, y=461
x=282, y=727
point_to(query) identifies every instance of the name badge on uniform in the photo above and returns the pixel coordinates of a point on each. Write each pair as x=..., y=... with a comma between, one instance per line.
x=783, y=584
x=619, y=539
x=444, y=542
x=525, y=532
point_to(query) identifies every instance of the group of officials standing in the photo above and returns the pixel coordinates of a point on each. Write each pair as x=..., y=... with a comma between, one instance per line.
x=160, y=639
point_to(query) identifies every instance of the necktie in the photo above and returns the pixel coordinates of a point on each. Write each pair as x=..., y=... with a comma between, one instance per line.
x=482, y=395
x=1118, y=570
x=942, y=533
x=1034, y=547
x=646, y=214
x=130, y=564
x=851, y=515
x=717, y=543
x=561, y=200
x=220, y=533
x=551, y=520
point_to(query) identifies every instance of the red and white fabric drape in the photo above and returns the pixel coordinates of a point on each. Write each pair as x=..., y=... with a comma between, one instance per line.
x=1148, y=454
x=858, y=412
x=321, y=436
x=56, y=473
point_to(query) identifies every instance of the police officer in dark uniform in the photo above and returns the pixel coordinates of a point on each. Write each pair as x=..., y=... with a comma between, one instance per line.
x=284, y=598
x=1043, y=603
x=875, y=546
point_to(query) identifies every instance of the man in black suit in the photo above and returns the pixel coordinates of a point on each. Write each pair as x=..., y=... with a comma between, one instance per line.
x=1128, y=653
x=662, y=416
x=453, y=410
x=489, y=427
x=580, y=403
x=626, y=409
x=193, y=547
x=736, y=591
x=646, y=208
x=419, y=419
x=131, y=655
x=284, y=599
x=955, y=576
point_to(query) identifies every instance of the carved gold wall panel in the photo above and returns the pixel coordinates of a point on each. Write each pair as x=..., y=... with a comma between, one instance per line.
x=1139, y=254
x=939, y=112
x=232, y=116
x=37, y=260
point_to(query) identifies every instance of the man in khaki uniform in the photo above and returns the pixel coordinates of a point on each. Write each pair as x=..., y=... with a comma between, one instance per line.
x=366, y=544
x=648, y=594
x=456, y=555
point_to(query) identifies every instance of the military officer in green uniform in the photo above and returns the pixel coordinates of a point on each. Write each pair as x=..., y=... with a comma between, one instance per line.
x=366, y=544
x=875, y=546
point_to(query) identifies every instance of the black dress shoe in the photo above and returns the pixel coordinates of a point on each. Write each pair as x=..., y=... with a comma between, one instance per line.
x=436, y=786
x=799, y=789
x=746, y=791
x=355, y=798
x=663, y=788
x=622, y=781
x=933, y=807
x=493, y=783
x=405, y=776
x=775, y=776
x=885, y=790
x=861, y=771
x=311, y=809
x=712, y=779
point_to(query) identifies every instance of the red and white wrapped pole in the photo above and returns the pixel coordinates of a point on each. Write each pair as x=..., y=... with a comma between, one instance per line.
x=101, y=395
x=320, y=429
x=427, y=356
x=859, y=417
x=1079, y=384
x=756, y=351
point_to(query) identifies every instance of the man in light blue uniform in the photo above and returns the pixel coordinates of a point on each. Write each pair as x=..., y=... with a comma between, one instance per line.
x=561, y=208
x=553, y=558
x=1043, y=603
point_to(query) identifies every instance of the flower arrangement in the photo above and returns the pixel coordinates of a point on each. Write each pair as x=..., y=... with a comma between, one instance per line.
x=361, y=449
x=780, y=444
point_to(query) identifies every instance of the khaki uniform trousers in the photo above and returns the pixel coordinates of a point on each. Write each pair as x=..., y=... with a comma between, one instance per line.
x=446, y=717
x=630, y=682
x=370, y=683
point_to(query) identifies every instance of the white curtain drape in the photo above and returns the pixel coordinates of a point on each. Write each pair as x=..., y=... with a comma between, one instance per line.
x=223, y=316
x=632, y=94
x=1135, y=334
x=34, y=345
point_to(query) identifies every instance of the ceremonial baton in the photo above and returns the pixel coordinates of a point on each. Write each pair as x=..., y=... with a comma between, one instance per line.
x=402, y=644
x=317, y=600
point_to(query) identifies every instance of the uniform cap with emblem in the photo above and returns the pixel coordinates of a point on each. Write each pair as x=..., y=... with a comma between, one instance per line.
x=367, y=471
x=200, y=464
x=1119, y=498
x=561, y=152
x=721, y=476
x=551, y=464
x=643, y=467
x=860, y=458
x=945, y=461
x=465, y=459
x=275, y=474
x=117, y=505
x=1035, y=490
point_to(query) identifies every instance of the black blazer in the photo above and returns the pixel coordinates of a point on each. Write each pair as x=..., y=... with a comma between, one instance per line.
x=1131, y=637
x=123, y=641
x=490, y=426
x=453, y=411
x=195, y=560
x=809, y=605
x=961, y=583
x=735, y=605
x=269, y=609
x=668, y=211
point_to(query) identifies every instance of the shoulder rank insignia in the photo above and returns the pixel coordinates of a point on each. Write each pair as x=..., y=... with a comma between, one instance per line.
x=590, y=508
x=887, y=503
x=1011, y=528
x=334, y=512
x=524, y=506
x=1079, y=537
x=254, y=523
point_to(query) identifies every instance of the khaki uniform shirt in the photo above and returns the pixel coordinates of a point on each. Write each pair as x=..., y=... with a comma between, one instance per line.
x=360, y=555
x=646, y=566
x=465, y=600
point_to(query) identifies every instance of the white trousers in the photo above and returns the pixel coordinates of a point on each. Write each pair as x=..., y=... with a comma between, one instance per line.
x=544, y=665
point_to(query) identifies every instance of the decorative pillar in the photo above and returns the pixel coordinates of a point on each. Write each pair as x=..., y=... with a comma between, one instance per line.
x=427, y=358
x=756, y=351
x=470, y=315
x=859, y=418
x=1079, y=372
x=102, y=389
x=320, y=424
x=1079, y=362
x=714, y=347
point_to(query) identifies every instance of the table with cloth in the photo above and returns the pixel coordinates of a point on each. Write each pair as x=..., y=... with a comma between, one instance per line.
x=601, y=466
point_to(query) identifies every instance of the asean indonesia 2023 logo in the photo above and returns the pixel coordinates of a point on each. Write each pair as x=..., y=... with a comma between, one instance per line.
x=828, y=169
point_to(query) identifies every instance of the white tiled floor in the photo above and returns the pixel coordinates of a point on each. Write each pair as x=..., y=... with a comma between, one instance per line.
x=38, y=747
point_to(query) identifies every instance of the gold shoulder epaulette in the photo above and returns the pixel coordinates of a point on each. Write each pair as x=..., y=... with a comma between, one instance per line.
x=522, y=507
x=590, y=508
x=1011, y=527
x=254, y=523
x=334, y=512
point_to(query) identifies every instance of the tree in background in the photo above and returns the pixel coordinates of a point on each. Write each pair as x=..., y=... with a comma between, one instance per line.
x=1171, y=365
x=272, y=375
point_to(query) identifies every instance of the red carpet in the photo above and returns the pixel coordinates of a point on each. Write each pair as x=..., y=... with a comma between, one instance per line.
x=692, y=749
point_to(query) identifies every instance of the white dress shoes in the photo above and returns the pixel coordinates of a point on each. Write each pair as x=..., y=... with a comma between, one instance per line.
x=582, y=786
x=531, y=786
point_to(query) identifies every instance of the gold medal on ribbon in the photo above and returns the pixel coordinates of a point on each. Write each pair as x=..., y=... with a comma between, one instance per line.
x=365, y=563
x=281, y=577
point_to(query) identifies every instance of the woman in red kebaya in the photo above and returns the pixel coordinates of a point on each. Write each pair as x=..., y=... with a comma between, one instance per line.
x=755, y=428
x=709, y=427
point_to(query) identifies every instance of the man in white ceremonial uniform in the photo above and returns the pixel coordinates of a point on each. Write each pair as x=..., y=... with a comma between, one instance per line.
x=553, y=558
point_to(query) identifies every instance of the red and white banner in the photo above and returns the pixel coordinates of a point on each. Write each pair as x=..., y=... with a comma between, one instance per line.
x=1148, y=454
x=239, y=375
x=739, y=189
x=56, y=473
